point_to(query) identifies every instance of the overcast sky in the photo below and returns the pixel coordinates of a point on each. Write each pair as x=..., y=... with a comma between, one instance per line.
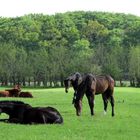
x=14, y=8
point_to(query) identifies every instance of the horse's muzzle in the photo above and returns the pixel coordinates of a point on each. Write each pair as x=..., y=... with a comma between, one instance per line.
x=78, y=113
x=66, y=90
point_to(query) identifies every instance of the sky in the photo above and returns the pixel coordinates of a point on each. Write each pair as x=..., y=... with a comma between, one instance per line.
x=14, y=8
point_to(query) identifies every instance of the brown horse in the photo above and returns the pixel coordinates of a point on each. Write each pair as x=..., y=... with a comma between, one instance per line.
x=91, y=85
x=13, y=92
x=4, y=93
x=17, y=86
x=25, y=94
x=73, y=80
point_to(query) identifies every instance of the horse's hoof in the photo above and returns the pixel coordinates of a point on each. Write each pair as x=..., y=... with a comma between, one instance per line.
x=104, y=112
x=78, y=113
x=113, y=115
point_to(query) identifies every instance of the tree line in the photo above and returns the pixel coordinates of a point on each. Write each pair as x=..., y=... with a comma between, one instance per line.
x=39, y=49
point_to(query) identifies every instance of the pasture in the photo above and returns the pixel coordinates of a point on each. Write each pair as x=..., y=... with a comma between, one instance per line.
x=124, y=126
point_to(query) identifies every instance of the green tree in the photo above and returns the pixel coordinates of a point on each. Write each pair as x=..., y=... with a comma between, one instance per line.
x=134, y=66
x=67, y=28
x=20, y=71
x=7, y=61
x=37, y=63
x=95, y=32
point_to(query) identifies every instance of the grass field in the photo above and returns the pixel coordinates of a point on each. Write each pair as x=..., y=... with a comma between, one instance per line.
x=124, y=126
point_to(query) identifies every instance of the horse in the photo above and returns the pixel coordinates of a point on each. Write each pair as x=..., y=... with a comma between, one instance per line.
x=42, y=115
x=92, y=85
x=73, y=80
x=14, y=109
x=17, y=86
x=4, y=93
x=25, y=94
x=13, y=92
x=20, y=112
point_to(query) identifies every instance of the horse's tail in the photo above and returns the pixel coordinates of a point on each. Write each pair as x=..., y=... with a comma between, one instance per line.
x=111, y=84
x=110, y=80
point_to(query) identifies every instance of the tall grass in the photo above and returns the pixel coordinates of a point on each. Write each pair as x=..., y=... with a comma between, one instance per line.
x=124, y=126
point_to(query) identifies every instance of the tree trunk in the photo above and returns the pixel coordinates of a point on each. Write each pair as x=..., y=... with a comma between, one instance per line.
x=23, y=81
x=14, y=80
x=132, y=82
x=34, y=82
x=121, y=83
x=29, y=82
x=62, y=80
x=138, y=82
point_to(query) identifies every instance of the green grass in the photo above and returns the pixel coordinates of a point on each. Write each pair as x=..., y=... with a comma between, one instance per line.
x=124, y=126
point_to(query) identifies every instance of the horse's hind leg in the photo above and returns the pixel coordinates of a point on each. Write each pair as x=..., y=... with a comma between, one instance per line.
x=112, y=104
x=105, y=100
x=109, y=95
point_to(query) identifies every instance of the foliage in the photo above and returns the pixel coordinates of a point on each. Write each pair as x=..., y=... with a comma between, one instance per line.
x=47, y=48
x=134, y=64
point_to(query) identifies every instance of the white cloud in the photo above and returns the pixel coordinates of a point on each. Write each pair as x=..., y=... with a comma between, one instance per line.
x=12, y=8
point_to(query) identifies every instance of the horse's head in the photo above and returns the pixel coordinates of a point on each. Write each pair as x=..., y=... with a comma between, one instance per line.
x=74, y=79
x=78, y=106
x=17, y=86
x=67, y=83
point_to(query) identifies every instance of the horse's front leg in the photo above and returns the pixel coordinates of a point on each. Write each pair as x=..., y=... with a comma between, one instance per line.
x=90, y=98
x=74, y=97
